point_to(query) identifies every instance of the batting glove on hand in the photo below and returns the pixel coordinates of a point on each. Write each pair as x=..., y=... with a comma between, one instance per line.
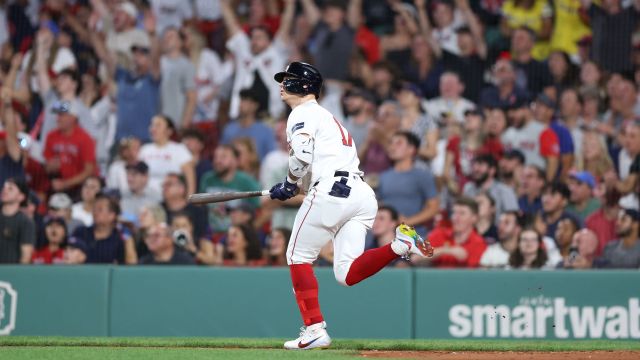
x=283, y=191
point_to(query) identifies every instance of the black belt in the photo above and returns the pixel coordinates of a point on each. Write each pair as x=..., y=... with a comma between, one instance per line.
x=341, y=173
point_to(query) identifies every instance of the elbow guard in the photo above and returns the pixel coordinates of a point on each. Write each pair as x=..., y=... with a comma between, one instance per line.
x=301, y=154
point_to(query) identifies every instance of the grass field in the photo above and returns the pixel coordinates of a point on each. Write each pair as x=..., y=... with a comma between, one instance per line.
x=54, y=348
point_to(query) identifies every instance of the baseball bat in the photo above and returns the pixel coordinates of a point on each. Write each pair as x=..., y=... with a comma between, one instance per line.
x=209, y=198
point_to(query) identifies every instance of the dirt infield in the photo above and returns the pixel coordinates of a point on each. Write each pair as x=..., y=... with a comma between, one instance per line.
x=504, y=355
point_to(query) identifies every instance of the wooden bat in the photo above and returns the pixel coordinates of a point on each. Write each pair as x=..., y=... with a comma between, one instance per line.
x=209, y=198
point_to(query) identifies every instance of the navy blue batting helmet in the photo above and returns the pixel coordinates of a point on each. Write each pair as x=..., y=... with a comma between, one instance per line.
x=302, y=79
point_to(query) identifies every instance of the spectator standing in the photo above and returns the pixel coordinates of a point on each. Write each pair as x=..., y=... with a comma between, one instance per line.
x=532, y=74
x=140, y=194
x=226, y=177
x=138, y=87
x=69, y=151
x=105, y=241
x=583, y=203
x=177, y=80
x=459, y=246
x=530, y=253
x=162, y=250
x=483, y=179
x=536, y=15
x=257, y=57
x=625, y=251
x=83, y=210
x=10, y=152
x=100, y=107
x=164, y=156
x=450, y=105
x=171, y=13
x=210, y=75
x=17, y=231
x=612, y=26
x=120, y=28
x=248, y=125
x=570, y=26
x=408, y=189
x=55, y=231
x=505, y=93
x=497, y=255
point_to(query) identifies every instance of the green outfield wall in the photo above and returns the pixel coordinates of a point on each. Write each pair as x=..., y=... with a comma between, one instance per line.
x=259, y=302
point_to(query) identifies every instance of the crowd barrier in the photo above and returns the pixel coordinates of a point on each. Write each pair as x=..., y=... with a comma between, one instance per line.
x=259, y=302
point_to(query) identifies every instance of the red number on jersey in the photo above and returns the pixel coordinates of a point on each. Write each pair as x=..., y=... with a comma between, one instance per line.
x=345, y=141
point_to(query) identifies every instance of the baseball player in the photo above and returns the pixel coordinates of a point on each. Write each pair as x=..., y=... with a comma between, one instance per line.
x=338, y=206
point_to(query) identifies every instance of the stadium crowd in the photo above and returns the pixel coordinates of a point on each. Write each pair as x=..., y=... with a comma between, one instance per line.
x=505, y=131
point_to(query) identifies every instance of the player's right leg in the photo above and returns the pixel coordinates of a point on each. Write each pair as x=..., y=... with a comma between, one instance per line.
x=308, y=236
x=408, y=241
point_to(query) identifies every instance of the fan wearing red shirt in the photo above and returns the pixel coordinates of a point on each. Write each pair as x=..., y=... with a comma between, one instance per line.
x=458, y=246
x=69, y=150
x=55, y=231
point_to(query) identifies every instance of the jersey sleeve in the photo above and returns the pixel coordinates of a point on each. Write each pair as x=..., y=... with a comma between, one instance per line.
x=301, y=123
x=549, y=144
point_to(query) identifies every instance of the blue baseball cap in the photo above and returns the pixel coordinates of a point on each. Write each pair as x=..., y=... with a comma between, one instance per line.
x=585, y=177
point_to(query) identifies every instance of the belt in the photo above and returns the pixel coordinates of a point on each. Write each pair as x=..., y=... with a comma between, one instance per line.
x=341, y=173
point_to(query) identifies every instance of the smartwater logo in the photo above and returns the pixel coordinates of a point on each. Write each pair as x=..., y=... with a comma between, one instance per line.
x=542, y=317
x=8, y=305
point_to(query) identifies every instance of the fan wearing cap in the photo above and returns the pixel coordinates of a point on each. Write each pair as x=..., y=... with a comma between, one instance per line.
x=59, y=206
x=625, y=251
x=138, y=83
x=17, y=231
x=55, y=232
x=139, y=194
x=10, y=152
x=257, y=56
x=121, y=30
x=583, y=203
x=69, y=151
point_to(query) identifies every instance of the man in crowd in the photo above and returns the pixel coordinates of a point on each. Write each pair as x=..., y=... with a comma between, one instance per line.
x=555, y=199
x=531, y=186
x=360, y=110
x=484, y=169
x=17, y=231
x=410, y=190
x=497, y=255
x=460, y=245
x=10, y=152
x=583, y=203
x=384, y=226
x=60, y=206
x=624, y=252
x=450, y=103
x=177, y=80
x=194, y=140
x=538, y=142
x=248, y=125
x=162, y=250
x=510, y=168
x=505, y=93
x=583, y=250
x=139, y=194
x=226, y=177
x=69, y=151
x=532, y=74
x=544, y=112
x=603, y=221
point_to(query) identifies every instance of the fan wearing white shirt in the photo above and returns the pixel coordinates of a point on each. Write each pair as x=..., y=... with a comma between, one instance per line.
x=164, y=156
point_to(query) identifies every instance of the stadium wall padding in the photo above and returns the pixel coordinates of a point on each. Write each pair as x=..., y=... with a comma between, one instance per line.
x=258, y=302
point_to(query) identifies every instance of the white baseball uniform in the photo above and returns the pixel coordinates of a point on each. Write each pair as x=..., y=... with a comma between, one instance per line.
x=323, y=217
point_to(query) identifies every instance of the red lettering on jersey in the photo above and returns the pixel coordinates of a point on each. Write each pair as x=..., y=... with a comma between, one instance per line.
x=345, y=141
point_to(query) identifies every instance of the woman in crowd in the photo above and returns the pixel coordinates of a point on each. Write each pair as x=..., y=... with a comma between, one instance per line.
x=242, y=247
x=416, y=120
x=276, y=252
x=486, y=218
x=564, y=74
x=596, y=157
x=165, y=156
x=202, y=250
x=55, y=232
x=83, y=210
x=530, y=253
x=396, y=46
x=147, y=217
x=105, y=241
x=248, y=160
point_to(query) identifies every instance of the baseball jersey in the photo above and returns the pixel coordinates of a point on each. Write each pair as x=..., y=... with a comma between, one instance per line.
x=333, y=147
